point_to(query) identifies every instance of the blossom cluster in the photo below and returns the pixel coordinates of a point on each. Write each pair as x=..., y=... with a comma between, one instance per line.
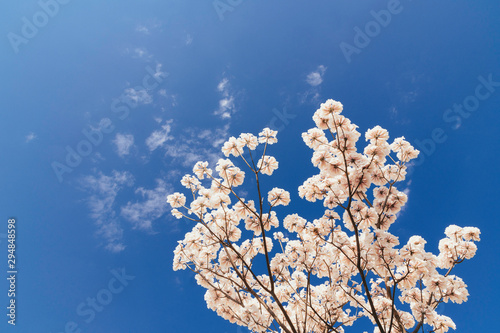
x=320, y=275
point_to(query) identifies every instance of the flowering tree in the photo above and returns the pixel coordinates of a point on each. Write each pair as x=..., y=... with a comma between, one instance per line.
x=325, y=274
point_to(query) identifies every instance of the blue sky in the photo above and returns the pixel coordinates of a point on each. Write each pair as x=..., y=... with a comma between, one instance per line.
x=165, y=82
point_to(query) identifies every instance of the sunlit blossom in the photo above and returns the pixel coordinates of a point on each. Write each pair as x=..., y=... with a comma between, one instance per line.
x=324, y=272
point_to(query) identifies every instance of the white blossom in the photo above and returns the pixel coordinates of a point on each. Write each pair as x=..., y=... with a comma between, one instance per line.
x=322, y=274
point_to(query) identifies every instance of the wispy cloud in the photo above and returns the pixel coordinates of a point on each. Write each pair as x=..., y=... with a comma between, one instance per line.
x=197, y=145
x=187, y=157
x=216, y=136
x=142, y=29
x=405, y=90
x=315, y=78
x=311, y=95
x=189, y=39
x=148, y=27
x=159, y=74
x=141, y=53
x=97, y=158
x=171, y=98
x=140, y=95
x=137, y=96
x=141, y=214
x=103, y=190
x=226, y=103
x=406, y=191
x=123, y=143
x=159, y=137
x=30, y=137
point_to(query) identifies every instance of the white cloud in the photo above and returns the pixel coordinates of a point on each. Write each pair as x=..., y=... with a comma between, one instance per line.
x=198, y=145
x=158, y=72
x=115, y=248
x=123, y=143
x=222, y=86
x=172, y=98
x=143, y=213
x=216, y=136
x=407, y=192
x=30, y=137
x=226, y=103
x=159, y=137
x=137, y=96
x=185, y=154
x=189, y=39
x=149, y=27
x=141, y=53
x=311, y=95
x=315, y=78
x=97, y=158
x=142, y=29
x=103, y=191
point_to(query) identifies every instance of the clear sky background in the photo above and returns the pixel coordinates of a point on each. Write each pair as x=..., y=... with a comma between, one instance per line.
x=166, y=82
